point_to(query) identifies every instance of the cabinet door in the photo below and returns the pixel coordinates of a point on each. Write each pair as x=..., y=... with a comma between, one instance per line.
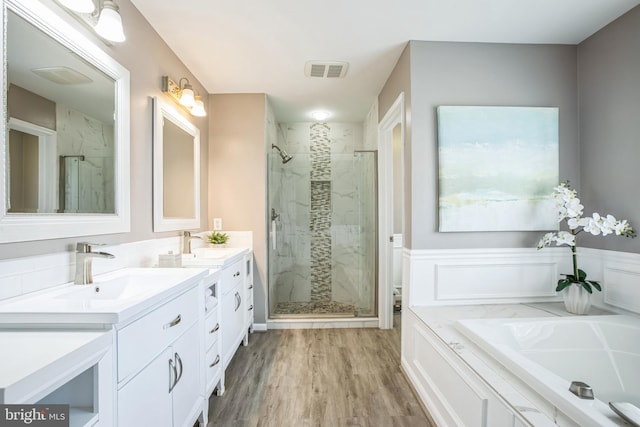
x=232, y=320
x=187, y=400
x=248, y=292
x=146, y=400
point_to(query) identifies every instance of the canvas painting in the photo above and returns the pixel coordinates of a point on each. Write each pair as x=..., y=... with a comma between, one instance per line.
x=497, y=168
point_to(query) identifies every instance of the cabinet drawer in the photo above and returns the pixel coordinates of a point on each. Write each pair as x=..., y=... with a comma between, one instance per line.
x=232, y=276
x=212, y=328
x=139, y=342
x=213, y=365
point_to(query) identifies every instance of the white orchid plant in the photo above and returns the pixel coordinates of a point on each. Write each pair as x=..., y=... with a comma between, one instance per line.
x=570, y=209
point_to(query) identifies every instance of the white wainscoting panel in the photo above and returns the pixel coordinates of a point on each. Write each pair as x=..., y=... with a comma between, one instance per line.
x=485, y=276
x=495, y=281
x=622, y=286
x=516, y=275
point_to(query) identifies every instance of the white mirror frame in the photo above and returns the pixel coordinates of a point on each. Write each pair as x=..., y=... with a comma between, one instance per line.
x=164, y=111
x=26, y=227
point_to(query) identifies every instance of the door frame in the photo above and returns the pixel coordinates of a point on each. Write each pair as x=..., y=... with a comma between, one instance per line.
x=394, y=116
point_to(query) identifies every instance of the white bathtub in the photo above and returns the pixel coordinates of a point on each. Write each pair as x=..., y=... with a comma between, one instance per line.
x=549, y=353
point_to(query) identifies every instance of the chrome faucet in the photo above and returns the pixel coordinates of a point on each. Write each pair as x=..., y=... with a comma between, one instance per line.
x=186, y=241
x=84, y=255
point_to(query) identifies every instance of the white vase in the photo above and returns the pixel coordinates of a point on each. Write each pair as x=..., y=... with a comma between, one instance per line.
x=576, y=299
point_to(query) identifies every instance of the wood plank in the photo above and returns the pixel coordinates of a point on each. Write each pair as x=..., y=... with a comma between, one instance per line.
x=318, y=377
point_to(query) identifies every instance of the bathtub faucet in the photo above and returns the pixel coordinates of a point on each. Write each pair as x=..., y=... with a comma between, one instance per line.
x=84, y=255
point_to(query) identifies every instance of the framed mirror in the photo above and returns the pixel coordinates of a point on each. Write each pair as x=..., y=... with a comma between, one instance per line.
x=176, y=170
x=64, y=137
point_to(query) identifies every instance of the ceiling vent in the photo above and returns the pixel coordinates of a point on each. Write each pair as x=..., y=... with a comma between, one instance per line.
x=62, y=75
x=325, y=69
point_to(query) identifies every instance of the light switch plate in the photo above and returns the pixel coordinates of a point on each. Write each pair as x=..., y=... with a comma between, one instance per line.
x=217, y=224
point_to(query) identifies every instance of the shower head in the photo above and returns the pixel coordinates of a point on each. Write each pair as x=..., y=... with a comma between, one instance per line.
x=283, y=154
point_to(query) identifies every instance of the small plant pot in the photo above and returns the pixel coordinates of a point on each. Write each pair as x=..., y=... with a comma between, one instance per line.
x=217, y=245
x=576, y=300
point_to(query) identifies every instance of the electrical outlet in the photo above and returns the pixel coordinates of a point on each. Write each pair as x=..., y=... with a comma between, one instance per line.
x=217, y=224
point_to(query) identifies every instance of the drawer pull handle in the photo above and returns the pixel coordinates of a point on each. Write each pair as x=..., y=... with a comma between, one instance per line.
x=215, y=329
x=236, y=274
x=251, y=307
x=250, y=286
x=173, y=323
x=215, y=362
x=238, y=302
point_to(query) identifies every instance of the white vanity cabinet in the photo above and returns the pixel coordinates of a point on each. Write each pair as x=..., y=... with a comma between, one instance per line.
x=212, y=341
x=159, y=365
x=233, y=312
x=248, y=291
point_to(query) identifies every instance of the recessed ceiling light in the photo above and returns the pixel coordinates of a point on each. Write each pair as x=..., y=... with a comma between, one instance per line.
x=321, y=115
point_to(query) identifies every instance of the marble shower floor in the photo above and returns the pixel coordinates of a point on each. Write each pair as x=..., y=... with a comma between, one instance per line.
x=329, y=307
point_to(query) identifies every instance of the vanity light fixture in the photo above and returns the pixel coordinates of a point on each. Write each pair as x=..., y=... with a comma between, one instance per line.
x=320, y=115
x=109, y=24
x=101, y=15
x=184, y=95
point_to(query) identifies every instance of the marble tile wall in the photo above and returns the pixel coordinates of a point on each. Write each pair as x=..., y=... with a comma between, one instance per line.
x=78, y=134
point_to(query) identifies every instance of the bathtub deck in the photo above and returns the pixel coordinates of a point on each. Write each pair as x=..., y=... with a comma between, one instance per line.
x=442, y=320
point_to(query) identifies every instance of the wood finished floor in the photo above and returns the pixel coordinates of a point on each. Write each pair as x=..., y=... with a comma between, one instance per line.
x=318, y=377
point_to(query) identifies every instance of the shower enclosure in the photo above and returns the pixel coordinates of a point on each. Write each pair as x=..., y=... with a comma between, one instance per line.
x=322, y=213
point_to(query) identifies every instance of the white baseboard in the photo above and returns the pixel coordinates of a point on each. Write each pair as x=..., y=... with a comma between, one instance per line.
x=323, y=323
x=260, y=327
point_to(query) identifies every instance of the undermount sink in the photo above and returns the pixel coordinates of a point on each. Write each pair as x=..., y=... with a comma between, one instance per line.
x=211, y=257
x=214, y=252
x=112, y=298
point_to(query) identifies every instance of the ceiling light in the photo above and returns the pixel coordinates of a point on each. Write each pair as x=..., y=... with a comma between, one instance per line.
x=109, y=24
x=80, y=6
x=182, y=94
x=198, y=108
x=321, y=115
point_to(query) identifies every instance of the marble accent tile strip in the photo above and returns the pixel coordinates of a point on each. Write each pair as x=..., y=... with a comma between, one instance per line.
x=320, y=215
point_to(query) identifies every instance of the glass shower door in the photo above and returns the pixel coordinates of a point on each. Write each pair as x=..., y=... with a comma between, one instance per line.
x=322, y=239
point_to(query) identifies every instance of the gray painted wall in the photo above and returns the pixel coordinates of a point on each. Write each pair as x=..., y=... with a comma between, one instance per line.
x=147, y=58
x=609, y=90
x=444, y=73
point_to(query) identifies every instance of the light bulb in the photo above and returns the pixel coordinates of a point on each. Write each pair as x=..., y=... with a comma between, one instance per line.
x=187, y=98
x=321, y=115
x=109, y=24
x=198, y=107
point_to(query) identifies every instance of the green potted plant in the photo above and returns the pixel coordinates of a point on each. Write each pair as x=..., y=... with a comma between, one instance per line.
x=218, y=239
x=577, y=289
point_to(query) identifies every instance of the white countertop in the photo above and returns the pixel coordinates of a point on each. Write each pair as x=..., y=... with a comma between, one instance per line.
x=58, y=306
x=442, y=321
x=33, y=363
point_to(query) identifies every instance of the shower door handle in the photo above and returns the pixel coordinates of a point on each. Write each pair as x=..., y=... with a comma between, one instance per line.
x=274, y=244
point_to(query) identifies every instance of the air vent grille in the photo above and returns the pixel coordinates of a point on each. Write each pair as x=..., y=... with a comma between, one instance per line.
x=325, y=69
x=62, y=75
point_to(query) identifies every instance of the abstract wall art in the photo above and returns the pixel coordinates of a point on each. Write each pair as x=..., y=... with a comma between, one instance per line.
x=497, y=167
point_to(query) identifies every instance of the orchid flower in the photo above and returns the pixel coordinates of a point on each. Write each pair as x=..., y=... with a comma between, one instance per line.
x=570, y=208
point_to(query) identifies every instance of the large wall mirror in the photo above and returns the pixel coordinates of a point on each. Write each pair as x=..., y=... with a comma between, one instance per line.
x=176, y=170
x=64, y=146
